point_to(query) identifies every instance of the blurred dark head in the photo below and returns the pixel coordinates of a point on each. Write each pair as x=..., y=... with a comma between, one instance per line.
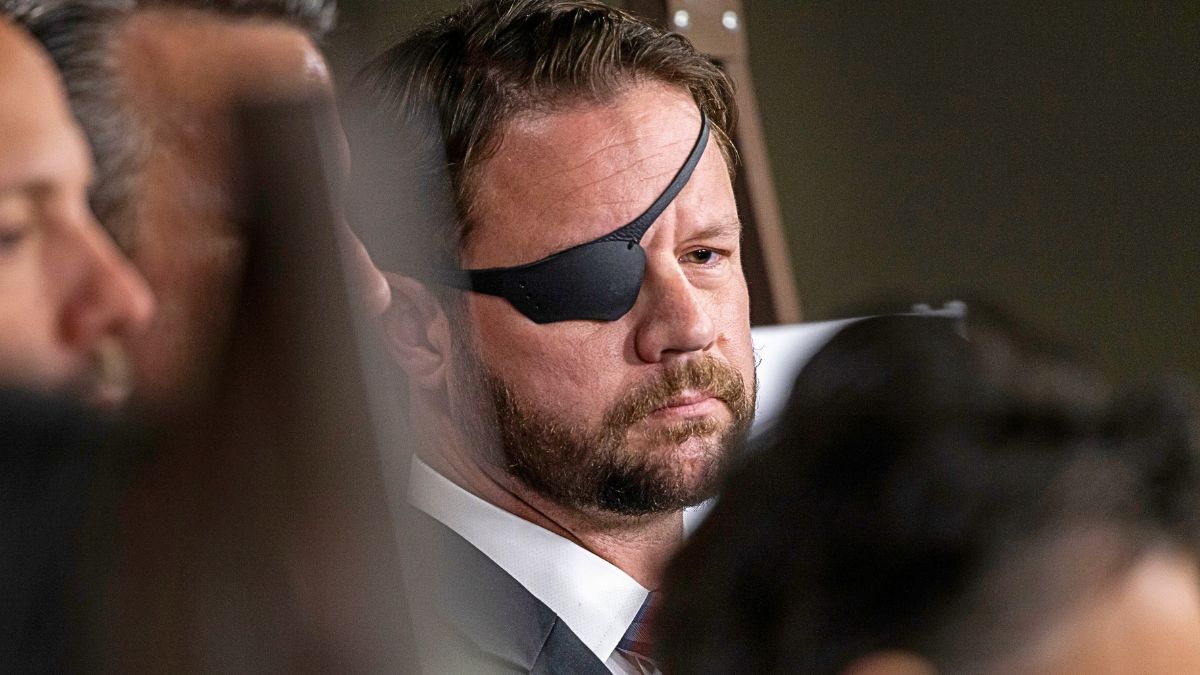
x=154, y=85
x=935, y=504
x=452, y=87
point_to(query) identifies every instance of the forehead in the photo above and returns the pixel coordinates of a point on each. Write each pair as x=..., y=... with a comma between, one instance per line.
x=562, y=178
x=39, y=140
x=163, y=62
x=184, y=96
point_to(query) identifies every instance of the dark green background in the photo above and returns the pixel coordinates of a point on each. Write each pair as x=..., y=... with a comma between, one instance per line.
x=1044, y=157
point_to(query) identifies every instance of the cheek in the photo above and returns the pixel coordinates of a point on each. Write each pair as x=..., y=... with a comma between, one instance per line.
x=32, y=349
x=187, y=247
x=193, y=273
x=189, y=266
x=193, y=267
x=23, y=295
x=732, y=316
x=40, y=292
x=568, y=366
x=29, y=343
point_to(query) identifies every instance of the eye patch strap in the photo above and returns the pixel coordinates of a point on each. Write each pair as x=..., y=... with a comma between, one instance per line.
x=491, y=281
x=635, y=230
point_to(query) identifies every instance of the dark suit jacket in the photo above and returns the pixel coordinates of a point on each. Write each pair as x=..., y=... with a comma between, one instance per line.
x=53, y=522
x=470, y=616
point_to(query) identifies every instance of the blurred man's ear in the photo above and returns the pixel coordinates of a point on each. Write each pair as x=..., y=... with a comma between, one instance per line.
x=417, y=331
x=891, y=662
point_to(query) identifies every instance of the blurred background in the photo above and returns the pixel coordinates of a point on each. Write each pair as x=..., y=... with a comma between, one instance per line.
x=1045, y=156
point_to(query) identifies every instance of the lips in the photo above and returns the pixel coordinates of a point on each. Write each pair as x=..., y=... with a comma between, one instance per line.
x=687, y=404
x=695, y=391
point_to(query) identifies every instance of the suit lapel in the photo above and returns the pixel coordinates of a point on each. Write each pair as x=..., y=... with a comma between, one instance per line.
x=564, y=654
x=488, y=608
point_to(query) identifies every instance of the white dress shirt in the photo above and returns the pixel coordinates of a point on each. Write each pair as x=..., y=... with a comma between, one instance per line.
x=592, y=596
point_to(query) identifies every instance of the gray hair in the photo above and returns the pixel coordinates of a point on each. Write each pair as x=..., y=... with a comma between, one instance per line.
x=79, y=34
x=76, y=36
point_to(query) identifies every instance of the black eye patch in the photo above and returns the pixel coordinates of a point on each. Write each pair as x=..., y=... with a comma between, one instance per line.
x=598, y=280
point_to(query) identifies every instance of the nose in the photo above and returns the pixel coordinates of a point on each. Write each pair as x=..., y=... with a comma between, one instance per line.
x=367, y=281
x=674, y=321
x=111, y=298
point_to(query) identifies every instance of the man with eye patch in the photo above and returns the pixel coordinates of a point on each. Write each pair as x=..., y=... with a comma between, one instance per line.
x=570, y=315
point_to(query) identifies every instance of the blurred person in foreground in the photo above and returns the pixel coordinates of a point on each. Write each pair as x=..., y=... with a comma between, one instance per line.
x=68, y=297
x=938, y=505
x=156, y=86
x=573, y=323
x=233, y=555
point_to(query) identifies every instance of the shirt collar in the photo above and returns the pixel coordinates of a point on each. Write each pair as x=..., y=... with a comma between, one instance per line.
x=592, y=596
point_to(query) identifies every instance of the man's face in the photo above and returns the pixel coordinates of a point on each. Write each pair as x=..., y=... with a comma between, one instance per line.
x=66, y=293
x=632, y=416
x=185, y=72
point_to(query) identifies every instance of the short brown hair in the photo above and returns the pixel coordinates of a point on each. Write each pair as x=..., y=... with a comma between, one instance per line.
x=483, y=64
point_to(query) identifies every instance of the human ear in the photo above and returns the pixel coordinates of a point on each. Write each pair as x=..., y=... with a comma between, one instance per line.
x=416, y=331
x=891, y=662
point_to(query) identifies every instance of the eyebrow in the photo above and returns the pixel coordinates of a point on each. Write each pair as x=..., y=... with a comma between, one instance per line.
x=728, y=228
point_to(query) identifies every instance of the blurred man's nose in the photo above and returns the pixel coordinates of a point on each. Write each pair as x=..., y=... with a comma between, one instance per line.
x=111, y=297
x=366, y=280
x=674, y=321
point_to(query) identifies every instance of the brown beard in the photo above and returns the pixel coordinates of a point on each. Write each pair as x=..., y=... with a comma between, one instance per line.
x=595, y=469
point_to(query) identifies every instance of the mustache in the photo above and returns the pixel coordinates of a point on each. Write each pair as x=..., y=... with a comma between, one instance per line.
x=107, y=379
x=709, y=375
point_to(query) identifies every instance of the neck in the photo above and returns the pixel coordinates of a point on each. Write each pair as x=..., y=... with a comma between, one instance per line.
x=639, y=546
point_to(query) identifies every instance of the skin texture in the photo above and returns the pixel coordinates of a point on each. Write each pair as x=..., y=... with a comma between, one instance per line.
x=67, y=295
x=557, y=180
x=186, y=239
